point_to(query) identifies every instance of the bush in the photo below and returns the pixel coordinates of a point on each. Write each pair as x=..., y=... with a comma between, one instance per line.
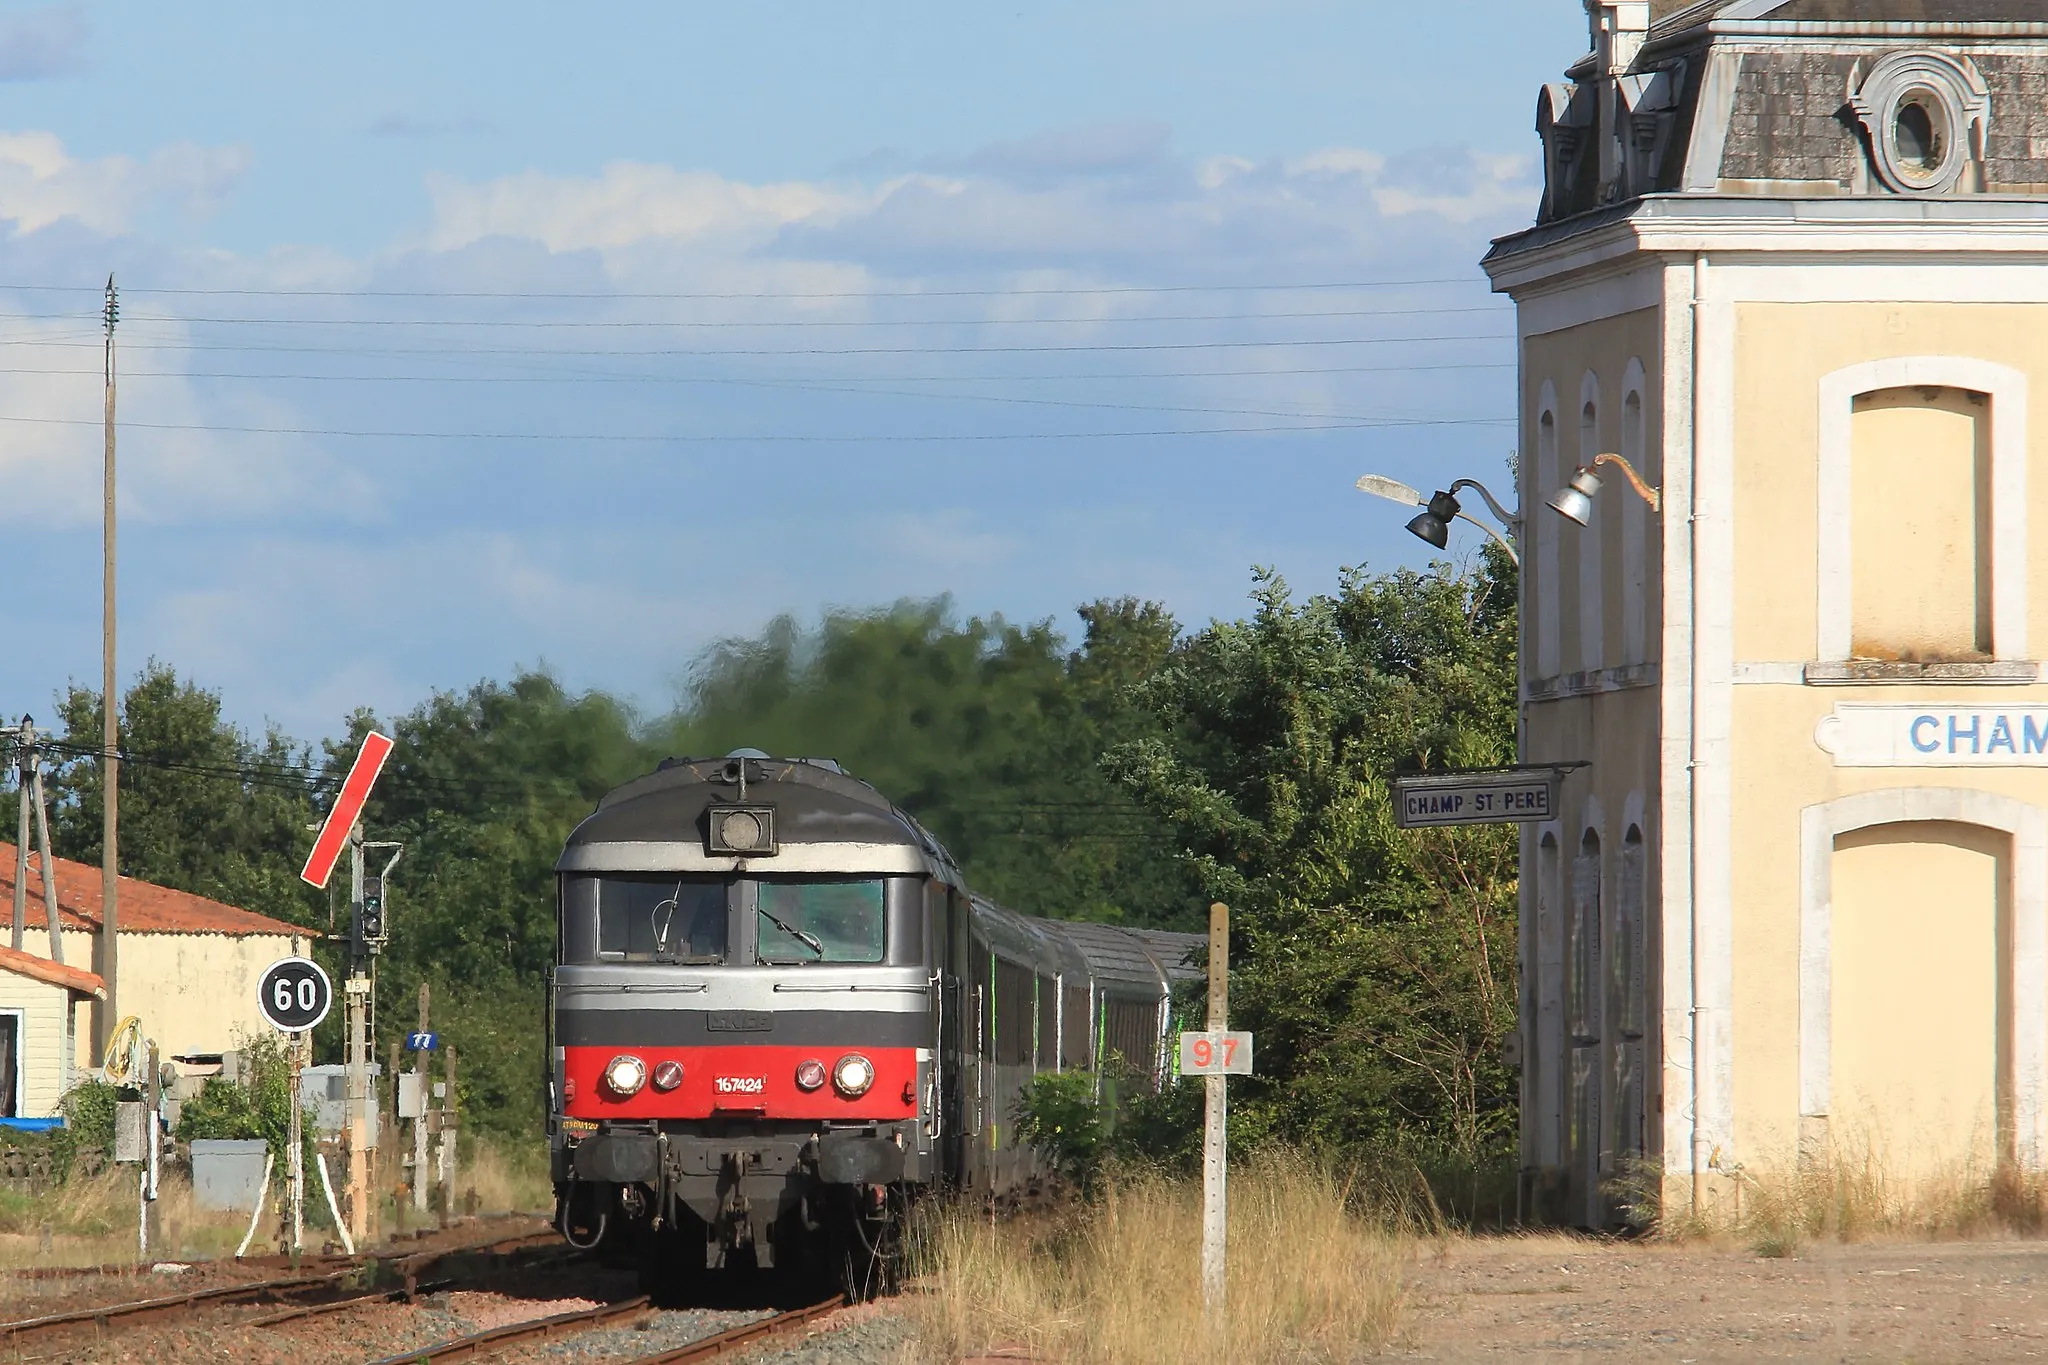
x=88, y=1110
x=1060, y=1116
x=258, y=1105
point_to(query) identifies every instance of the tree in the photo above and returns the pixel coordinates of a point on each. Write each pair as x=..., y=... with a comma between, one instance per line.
x=204, y=808
x=988, y=733
x=1376, y=964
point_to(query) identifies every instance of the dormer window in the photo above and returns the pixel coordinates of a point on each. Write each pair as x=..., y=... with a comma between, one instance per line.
x=1920, y=136
x=1925, y=115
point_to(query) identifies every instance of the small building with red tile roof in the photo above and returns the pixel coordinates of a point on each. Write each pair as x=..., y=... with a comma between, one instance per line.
x=187, y=969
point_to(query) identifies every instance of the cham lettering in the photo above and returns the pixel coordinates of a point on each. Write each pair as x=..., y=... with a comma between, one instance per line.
x=1933, y=734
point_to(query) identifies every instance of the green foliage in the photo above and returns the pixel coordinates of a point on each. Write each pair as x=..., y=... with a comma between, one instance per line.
x=1060, y=1115
x=88, y=1109
x=1375, y=964
x=213, y=812
x=988, y=732
x=257, y=1105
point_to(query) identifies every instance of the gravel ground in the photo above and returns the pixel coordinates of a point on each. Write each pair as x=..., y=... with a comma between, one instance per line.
x=855, y=1337
x=660, y=1332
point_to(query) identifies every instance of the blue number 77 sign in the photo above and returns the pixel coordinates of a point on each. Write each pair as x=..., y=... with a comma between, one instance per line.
x=422, y=1042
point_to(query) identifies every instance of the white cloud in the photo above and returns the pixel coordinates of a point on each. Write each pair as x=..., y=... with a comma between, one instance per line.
x=630, y=202
x=41, y=184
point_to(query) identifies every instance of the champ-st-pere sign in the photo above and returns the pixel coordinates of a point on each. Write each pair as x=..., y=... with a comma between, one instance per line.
x=1490, y=796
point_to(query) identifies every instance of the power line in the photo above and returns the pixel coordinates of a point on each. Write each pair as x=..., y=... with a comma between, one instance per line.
x=619, y=377
x=782, y=438
x=644, y=323
x=1068, y=291
x=453, y=352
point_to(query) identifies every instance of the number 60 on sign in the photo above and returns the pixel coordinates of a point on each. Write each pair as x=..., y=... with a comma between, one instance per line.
x=1215, y=1054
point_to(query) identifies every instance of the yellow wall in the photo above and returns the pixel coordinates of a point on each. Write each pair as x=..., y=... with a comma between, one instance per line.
x=195, y=993
x=1921, y=472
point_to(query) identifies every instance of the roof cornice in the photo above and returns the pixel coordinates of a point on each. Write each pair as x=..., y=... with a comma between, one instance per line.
x=1684, y=225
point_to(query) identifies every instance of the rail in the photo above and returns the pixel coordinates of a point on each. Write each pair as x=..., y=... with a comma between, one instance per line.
x=569, y=1324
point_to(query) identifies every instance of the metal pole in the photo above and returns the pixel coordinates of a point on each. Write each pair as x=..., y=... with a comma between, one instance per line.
x=358, y=992
x=107, y=949
x=1215, y=1221
x=297, y=1159
x=445, y=1148
x=28, y=740
x=419, y=1123
x=49, y=862
x=154, y=1118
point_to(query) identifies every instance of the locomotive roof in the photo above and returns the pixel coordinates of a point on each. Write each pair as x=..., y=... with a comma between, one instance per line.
x=825, y=821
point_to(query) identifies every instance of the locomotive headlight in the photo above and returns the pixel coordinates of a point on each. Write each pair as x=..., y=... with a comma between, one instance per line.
x=853, y=1075
x=668, y=1075
x=625, y=1075
x=810, y=1074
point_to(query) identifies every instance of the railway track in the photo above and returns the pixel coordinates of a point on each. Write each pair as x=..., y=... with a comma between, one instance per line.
x=484, y=1344
x=328, y=1280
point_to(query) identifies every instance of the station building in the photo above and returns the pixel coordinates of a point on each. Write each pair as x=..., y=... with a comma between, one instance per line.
x=1791, y=262
x=186, y=968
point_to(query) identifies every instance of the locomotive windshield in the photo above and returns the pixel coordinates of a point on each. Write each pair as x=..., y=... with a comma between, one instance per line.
x=835, y=921
x=659, y=919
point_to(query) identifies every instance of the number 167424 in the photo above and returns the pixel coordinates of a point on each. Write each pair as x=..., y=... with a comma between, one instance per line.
x=1215, y=1054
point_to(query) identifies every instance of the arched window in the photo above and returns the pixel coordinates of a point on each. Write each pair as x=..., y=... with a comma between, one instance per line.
x=1635, y=530
x=1592, y=644
x=1549, y=531
x=1547, y=1061
x=1629, y=963
x=1583, y=989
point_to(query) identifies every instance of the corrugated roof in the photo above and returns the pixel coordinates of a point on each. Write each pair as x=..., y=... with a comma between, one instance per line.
x=56, y=973
x=146, y=908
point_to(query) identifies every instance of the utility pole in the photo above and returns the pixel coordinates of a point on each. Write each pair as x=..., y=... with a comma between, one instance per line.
x=25, y=746
x=30, y=776
x=419, y=1123
x=1215, y=1220
x=108, y=948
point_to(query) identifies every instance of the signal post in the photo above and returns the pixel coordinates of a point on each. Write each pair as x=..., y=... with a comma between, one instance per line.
x=368, y=933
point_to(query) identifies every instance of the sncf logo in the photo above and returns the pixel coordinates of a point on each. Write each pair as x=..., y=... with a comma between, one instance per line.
x=740, y=1085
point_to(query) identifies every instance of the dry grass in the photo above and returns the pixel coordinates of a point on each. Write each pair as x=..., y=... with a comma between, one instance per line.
x=93, y=1221
x=507, y=1179
x=1312, y=1277
x=1854, y=1195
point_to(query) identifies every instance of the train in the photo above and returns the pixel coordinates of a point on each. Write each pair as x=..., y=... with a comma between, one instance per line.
x=779, y=1018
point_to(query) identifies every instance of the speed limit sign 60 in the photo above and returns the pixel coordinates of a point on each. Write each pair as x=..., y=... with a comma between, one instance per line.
x=294, y=994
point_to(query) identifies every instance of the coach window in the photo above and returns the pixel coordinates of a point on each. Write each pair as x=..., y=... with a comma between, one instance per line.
x=821, y=921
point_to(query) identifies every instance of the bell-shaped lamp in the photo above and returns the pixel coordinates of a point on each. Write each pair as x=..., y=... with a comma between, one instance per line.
x=1575, y=499
x=1434, y=524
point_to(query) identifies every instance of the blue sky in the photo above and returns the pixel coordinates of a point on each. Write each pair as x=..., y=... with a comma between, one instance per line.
x=463, y=337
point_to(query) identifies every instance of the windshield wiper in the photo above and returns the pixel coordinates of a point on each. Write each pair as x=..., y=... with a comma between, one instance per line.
x=799, y=935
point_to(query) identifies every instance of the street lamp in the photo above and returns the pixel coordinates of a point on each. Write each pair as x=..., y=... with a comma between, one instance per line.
x=1441, y=509
x=1575, y=499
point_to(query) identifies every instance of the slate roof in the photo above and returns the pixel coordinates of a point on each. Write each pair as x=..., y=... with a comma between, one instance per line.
x=55, y=973
x=146, y=908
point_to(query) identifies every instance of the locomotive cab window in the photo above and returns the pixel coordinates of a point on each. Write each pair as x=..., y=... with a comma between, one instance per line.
x=636, y=918
x=821, y=921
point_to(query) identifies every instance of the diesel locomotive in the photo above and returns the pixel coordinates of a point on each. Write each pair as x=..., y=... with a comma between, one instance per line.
x=779, y=1017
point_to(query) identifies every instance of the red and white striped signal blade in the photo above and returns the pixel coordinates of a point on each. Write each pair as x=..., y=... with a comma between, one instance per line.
x=362, y=775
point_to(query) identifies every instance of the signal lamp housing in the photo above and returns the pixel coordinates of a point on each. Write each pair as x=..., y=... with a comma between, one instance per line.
x=741, y=831
x=810, y=1074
